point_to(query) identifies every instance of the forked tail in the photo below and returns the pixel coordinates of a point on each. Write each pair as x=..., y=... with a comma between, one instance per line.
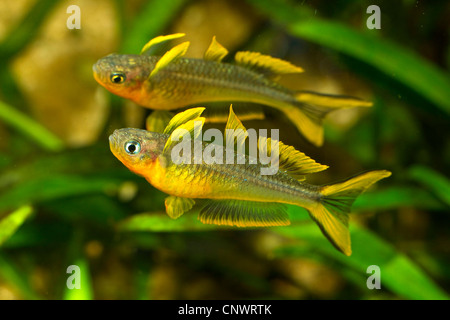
x=332, y=210
x=311, y=108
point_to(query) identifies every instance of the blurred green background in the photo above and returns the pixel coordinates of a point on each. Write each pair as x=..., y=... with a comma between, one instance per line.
x=66, y=200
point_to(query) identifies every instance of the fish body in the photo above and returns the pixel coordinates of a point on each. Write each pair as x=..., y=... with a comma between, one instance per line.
x=237, y=193
x=212, y=181
x=188, y=81
x=171, y=82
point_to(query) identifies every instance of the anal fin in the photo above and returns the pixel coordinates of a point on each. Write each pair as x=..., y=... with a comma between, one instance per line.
x=242, y=213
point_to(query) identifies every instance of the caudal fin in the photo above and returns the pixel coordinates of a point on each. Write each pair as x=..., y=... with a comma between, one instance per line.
x=311, y=108
x=332, y=210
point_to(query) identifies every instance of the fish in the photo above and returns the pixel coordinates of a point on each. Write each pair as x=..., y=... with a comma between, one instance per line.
x=237, y=193
x=171, y=81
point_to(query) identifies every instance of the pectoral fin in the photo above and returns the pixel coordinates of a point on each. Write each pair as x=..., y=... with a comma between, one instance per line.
x=242, y=213
x=176, y=206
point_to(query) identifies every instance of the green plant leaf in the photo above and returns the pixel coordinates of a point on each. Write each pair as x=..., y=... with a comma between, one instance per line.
x=10, y=223
x=30, y=128
x=56, y=187
x=398, y=273
x=160, y=222
x=154, y=17
x=23, y=34
x=432, y=180
x=396, y=197
x=18, y=279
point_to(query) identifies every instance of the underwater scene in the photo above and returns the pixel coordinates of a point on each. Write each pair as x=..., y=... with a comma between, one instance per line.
x=224, y=150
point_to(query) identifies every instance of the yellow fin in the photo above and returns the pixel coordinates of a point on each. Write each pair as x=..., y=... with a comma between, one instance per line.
x=334, y=227
x=242, y=213
x=331, y=211
x=176, y=206
x=215, y=51
x=171, y=55
x=238, y=131
x=269, y=66
x=192, y=127
x=354, y=185
x=183, y=117
x=159, y=40
x=310, y=108
x=331, y=101
x=158, y=120
x=290, y=160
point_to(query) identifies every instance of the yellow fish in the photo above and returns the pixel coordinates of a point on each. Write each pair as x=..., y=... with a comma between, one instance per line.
x=238, y=193
x=172, y=82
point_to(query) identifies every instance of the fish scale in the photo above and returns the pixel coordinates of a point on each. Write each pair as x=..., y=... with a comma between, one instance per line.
x=240, y=181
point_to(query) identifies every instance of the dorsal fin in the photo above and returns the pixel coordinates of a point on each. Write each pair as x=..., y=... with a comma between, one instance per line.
x=269, y=66
x=171, y=55
x=159, y=40
x=238, y=131
x=290, y=160
x=184, y=122
x=183, y=117
x=215, y=51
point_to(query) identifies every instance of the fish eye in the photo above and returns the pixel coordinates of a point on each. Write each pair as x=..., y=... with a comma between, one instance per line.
x=117, y=77
x=132, y=147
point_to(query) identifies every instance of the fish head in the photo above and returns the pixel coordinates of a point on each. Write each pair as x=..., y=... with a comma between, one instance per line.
x=137, y=149
x=123, y=74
